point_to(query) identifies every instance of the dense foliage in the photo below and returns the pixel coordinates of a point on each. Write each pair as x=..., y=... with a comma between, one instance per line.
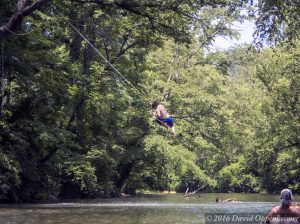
x=72, y=127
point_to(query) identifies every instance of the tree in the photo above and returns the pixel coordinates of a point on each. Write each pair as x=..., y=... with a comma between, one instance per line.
x=277, y=72
x=277, y=20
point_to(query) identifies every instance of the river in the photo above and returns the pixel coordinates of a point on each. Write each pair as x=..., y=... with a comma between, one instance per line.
x=173, y=208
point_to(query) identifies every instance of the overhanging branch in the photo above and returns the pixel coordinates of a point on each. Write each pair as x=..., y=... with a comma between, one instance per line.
x=23, y=10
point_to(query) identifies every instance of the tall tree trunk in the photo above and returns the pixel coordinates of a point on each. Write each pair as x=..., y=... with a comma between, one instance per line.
x=75, y=45
x=87, y=60
x=124, y=173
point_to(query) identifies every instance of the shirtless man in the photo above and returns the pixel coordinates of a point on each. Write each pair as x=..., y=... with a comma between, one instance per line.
x=286, y=212
x=161, y=115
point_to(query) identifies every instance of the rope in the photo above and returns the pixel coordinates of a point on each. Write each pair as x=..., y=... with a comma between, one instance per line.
x=18, y=34
x=98, y=52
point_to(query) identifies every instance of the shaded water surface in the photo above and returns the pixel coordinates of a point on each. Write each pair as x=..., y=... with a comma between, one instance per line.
x=154, y=209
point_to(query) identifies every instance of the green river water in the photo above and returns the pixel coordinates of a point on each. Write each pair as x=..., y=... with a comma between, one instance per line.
x=172, y=208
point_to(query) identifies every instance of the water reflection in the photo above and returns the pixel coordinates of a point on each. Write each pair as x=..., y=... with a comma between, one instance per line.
x=162, y=209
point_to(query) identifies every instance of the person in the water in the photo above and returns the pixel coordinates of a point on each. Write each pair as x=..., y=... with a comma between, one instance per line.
x=286, y=213
x=219, y=200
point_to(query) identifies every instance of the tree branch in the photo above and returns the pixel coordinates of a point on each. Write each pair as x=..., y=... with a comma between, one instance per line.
x=23, y=10
x=294, y=144
x=187, y=194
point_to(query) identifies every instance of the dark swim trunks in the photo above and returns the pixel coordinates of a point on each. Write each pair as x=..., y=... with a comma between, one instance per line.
x=168, y=121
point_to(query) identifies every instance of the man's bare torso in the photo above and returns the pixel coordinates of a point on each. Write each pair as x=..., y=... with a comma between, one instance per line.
x=162, y=112
x=279, y=211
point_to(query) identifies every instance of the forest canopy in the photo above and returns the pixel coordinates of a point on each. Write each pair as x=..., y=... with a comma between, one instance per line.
x=74, y=126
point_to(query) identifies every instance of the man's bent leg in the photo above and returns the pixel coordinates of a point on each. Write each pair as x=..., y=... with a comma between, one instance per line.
x=173, y=131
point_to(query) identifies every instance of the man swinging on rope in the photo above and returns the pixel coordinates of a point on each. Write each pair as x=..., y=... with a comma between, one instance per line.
x=161, y=115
